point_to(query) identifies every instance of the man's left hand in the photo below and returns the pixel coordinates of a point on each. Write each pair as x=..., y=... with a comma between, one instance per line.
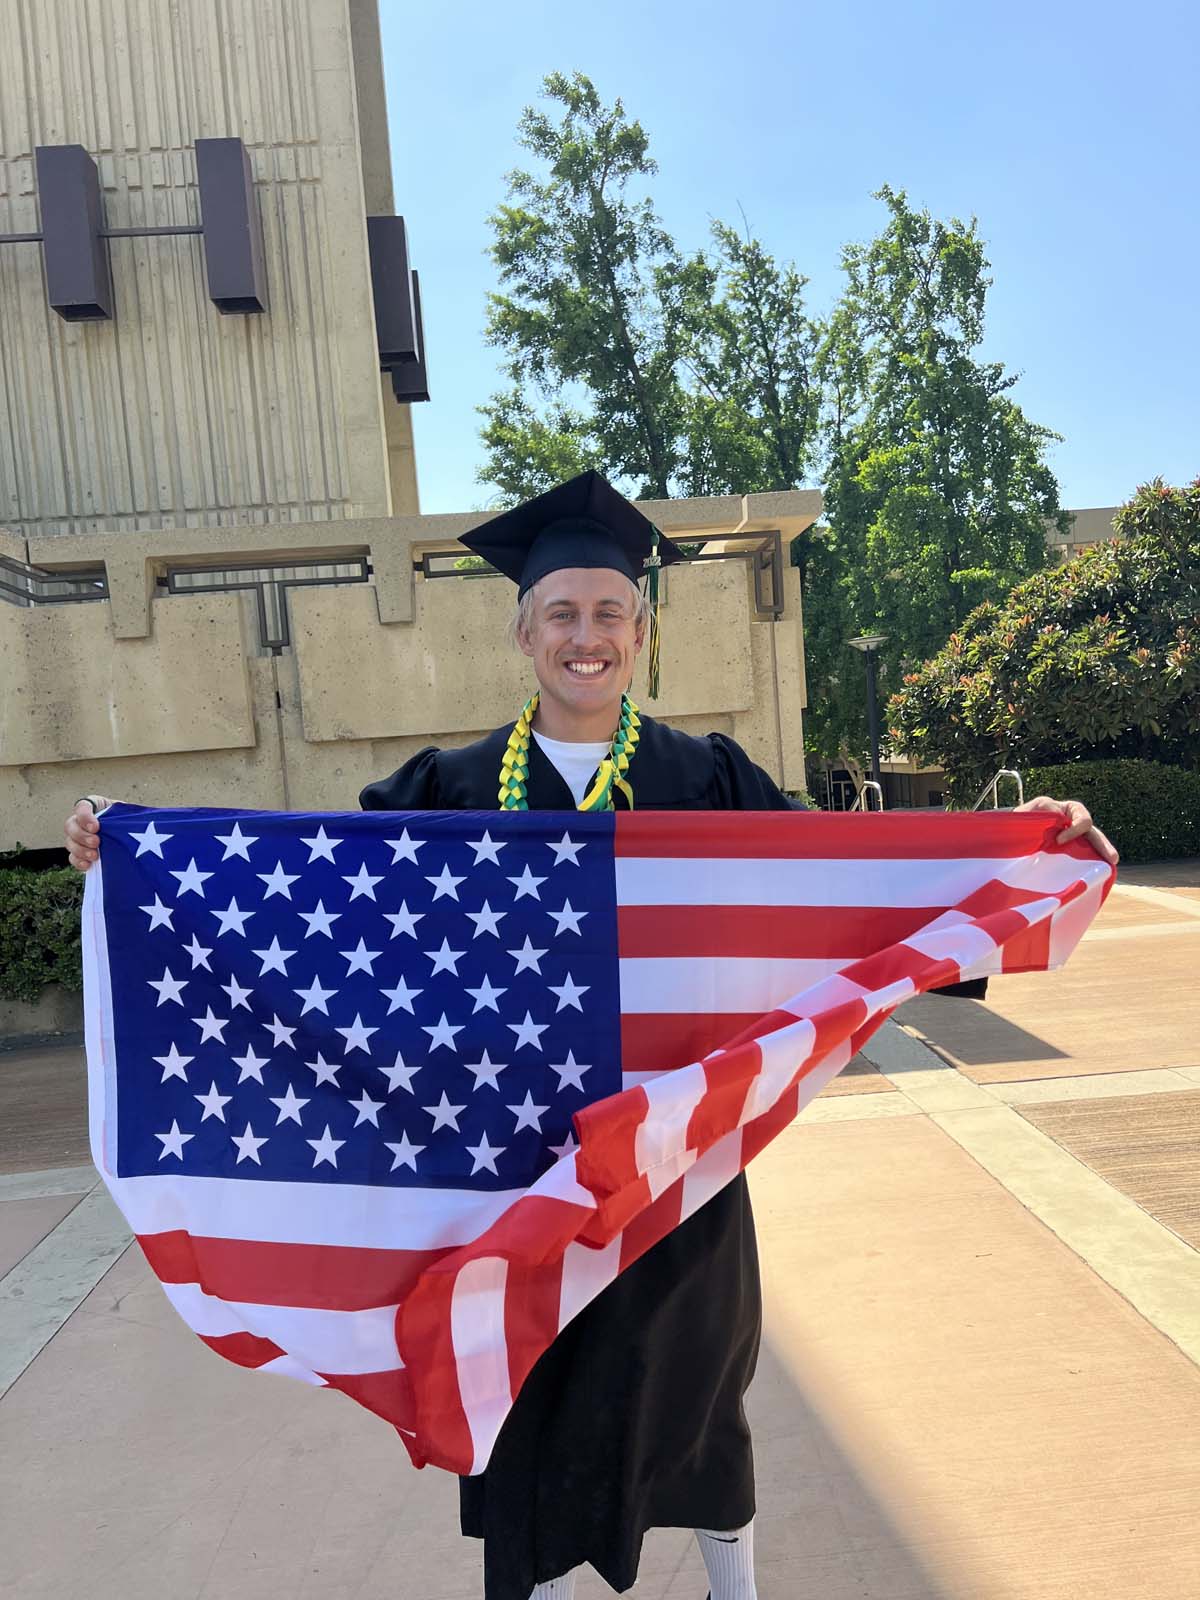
x=1077, y=824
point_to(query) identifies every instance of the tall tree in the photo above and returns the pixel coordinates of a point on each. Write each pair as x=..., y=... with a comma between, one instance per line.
x=936, y=483
x=675, y=374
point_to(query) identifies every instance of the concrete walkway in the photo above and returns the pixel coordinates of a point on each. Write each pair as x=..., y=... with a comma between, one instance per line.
x=979, y=1381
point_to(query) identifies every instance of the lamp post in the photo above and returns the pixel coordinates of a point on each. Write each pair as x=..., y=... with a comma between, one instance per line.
x=870, y=644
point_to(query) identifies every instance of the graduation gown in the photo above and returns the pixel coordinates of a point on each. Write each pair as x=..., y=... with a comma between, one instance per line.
x=633, y=1418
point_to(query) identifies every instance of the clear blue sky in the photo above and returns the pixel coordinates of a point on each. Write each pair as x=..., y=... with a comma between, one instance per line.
x=1068, y=129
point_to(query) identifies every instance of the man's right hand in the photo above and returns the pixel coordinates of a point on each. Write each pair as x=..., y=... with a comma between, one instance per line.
x=83, y=834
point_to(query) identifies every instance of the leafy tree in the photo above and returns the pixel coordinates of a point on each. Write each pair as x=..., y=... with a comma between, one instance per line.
x=936, y=485
x=677, y=375
x=1098, y=658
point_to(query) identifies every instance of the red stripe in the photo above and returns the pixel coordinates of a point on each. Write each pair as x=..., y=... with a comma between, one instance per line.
x=531, y=1303
x=387, y=1394
x=719, y=1111
x=653, y=1224
x=776, y=835
x=607, y=1132
x=326, y=1277
x=656, y=1041
x=782, y=932
x=243, y=1349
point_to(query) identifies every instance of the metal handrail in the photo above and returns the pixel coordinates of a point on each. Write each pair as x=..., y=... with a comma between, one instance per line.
x=868, y=783
x=993, y=788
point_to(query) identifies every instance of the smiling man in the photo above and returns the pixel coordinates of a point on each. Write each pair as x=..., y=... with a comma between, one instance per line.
x=633, y=1418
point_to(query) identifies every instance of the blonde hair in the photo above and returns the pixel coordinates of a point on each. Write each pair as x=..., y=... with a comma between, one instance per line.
x=522, y=621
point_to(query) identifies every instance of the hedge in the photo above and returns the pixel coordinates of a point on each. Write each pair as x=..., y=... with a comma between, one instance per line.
x=1150, y=812
x=39, y=931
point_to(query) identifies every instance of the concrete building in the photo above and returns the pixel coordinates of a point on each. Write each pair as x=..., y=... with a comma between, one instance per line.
x=216, y=585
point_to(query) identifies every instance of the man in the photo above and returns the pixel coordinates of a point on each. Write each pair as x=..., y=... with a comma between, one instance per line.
x=634, y=1416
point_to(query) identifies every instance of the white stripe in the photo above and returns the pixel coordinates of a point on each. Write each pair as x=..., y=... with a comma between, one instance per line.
x=782, y=1054
x=647, y=881
x=287, y=1368
x=309, y=1213
x=715, y=1168
x=323, y=1341
x=690, y=984
x=584, y=1273
x=1069, y=923
x=633, y=1080
x=481, y=1351
x=98, y=1035
x=661, y=1138
x=975, y=953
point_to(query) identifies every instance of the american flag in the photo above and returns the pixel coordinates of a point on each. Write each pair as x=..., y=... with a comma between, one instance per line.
x=388, y=1098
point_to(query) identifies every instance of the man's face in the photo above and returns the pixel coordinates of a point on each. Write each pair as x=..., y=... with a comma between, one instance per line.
x=583, y=640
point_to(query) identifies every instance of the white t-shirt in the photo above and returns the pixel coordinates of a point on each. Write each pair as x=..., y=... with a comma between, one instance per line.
x=576, y=763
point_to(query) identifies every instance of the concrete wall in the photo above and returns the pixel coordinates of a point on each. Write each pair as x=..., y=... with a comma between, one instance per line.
x=172, y=699
x=172, y=415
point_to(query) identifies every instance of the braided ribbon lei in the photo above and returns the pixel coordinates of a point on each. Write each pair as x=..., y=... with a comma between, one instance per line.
x=610, y=774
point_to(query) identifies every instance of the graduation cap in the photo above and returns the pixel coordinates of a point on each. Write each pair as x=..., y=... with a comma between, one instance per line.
x=584, y=522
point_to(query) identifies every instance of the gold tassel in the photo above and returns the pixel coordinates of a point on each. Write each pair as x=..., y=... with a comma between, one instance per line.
x=654, y=567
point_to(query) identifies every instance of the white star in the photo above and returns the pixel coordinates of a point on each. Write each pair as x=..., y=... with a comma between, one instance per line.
x=565, y=850
x=279, y=1032
x=319, y=920
x=527, y=884
x=173, y=1142
x=189, y=878
x=404, y=848
x=214, y=1103
x=362, y=883
x=399, y=1076
x=273, y=958
x=153, y=841
x=237, y=995
x=485, y=1155
x=250, y=1064
x=486, y=996
x=356, y=1035
x=445, y=959
x=198, y=954
x=570, y=1072
x=248, y=1146
x=529, y=1032
x=445, y=883
x=486, y=920
x=527, y=957
x=444, y=1114
x=528, y=1115
x=231, y=917
x=160, y=916
x=486, y=848
x=277, y=881
x=400, y=996
x=290, y=1106
x=442, y=1033
x=565, y=1148
x=360, y=959
x=568, y=993
x=321, y=846
x=315, y=997
x=405, y=1153
x=169, y=988
x=211, y=1027
x=404, y=920
x=236, y=843
x=368, y=1110
x=485, y=1071
x=173, y=1064
x=325, y=1148
x=567, y=919
x=324, y=1071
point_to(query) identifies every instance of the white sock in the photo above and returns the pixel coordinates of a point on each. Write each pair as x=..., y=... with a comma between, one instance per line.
x=729, y=1561
x=556, y=1589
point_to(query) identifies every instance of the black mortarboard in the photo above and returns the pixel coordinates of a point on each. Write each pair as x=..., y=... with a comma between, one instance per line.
x=581, y=523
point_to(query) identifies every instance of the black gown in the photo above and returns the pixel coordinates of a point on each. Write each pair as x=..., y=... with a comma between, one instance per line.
x=633, y=1418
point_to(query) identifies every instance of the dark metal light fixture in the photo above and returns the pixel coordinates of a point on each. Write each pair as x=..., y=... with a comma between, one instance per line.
x=870, y=645
x=396, y=289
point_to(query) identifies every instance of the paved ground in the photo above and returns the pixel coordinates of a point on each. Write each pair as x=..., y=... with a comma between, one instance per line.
x=980, y=1379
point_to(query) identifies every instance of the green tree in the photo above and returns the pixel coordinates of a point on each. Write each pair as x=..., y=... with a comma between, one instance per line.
x=936, y=484
x=675, y=374
x=1095, y=659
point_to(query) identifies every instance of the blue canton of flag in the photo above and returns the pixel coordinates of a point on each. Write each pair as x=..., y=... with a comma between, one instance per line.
x=302, y=1000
